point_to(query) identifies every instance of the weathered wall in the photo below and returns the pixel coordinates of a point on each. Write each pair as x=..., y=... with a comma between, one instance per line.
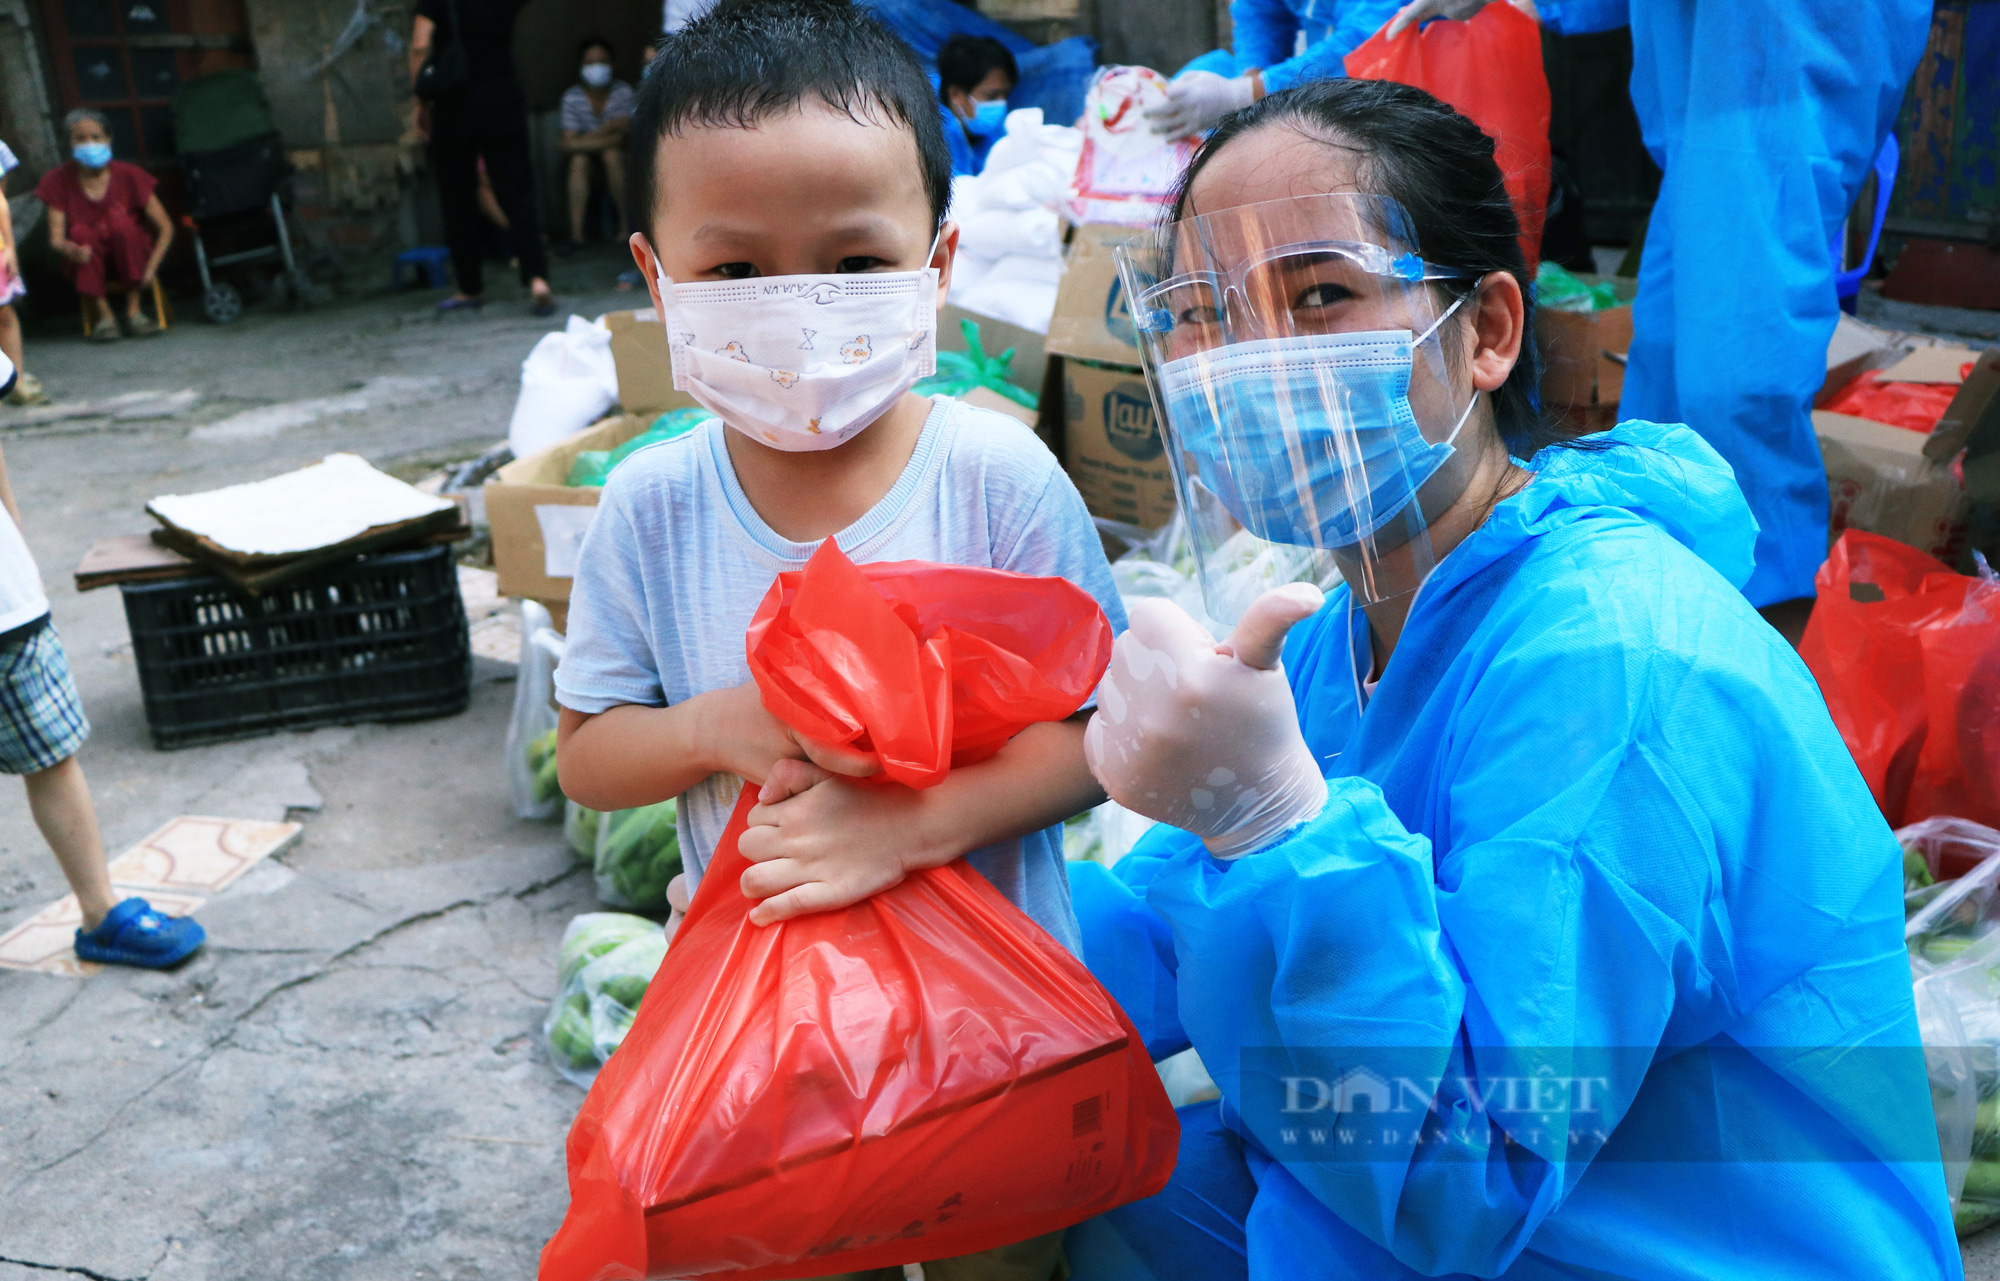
x=337, y=74
x=1161, y=34
x=25, y=113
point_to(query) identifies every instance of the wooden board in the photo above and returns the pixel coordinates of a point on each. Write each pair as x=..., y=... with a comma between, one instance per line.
x=130, y=558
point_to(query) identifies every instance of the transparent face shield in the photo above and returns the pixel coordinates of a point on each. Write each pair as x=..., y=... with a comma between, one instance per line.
x=1293, y=351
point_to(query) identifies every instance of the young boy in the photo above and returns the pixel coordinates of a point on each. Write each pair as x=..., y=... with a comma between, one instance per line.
x=794, y=147
x=41, y=727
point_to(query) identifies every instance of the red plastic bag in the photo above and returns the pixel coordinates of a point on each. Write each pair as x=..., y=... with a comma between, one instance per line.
x=1907, y=653
x=1916, y=406
x=919, y=1076
x=1489, y=69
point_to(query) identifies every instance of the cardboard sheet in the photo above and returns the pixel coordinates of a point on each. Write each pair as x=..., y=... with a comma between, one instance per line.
x=329, y=502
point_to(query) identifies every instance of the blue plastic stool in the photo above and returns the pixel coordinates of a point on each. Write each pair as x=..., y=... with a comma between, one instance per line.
x=434, y=261
x=1847, y=284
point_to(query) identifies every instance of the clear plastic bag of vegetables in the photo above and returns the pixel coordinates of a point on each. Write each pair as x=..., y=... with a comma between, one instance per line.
x=531, y=730
x=1954, y=943
x=638, y=852
x=580, y=825
x=1937, y=852
x=608, y=959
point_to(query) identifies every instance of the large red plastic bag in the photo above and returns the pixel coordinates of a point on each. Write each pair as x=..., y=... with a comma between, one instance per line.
x=919, y=1076
x=1489, y=69
x=1895, y=634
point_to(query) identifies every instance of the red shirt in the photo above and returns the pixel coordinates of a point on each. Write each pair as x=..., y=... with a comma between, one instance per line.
x=131, y=187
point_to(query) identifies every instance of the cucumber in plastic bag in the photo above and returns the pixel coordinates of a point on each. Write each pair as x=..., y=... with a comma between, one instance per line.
x=590, y=1017
x=638, y=852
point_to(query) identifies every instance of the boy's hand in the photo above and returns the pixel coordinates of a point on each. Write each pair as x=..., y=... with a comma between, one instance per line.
x=819, y=842
x=746, y=740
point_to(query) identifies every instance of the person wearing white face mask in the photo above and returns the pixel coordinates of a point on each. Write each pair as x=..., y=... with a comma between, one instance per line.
x=1517, y=786
x=791, y=179
x=595, y=115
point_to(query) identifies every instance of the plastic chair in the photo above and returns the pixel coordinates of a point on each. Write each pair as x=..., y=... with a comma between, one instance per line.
x=434, y=261
x=1847, y=284
x=160, y=315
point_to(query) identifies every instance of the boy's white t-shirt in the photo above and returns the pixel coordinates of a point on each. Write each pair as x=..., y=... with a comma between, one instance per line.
x=677, y=561
x=22, y=600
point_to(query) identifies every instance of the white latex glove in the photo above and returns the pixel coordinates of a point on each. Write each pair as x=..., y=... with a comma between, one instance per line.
x=1196, y=100
x=1458, y=10
x=1205, y=736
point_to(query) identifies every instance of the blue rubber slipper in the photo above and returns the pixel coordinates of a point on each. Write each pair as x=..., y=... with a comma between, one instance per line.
x=461, y=304
x=134, y=934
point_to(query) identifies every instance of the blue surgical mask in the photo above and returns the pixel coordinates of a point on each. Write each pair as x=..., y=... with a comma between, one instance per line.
x=988, y=118
x=92, y=155
x=597, y=74
x=1255, y=420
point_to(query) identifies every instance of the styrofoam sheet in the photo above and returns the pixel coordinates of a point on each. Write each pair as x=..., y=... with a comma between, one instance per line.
x=329, y=502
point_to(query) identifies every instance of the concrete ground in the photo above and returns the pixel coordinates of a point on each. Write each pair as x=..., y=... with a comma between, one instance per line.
x=347, y=1082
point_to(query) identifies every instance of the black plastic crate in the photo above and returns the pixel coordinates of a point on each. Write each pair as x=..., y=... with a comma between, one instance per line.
x=379, y=638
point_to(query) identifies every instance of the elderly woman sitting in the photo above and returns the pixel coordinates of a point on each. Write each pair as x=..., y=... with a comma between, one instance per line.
x=95, y=206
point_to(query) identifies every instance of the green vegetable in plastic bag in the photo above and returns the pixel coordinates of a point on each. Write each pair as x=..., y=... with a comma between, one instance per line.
x=959, y=372
x=638, y=852
x=1558, y=290
x=594, y=466
x=598, y=1002
x=542, y=764
x=580, y=830
x=593, y=934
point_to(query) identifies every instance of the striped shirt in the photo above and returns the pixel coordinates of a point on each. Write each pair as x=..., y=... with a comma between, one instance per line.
x=577, y=116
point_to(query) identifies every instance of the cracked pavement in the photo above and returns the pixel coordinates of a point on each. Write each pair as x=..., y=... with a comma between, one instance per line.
x=347, y=1082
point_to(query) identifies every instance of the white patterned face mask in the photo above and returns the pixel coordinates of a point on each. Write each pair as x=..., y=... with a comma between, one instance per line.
x=802, y=363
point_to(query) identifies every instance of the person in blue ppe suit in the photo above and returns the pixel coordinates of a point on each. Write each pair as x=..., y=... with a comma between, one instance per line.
x=1764, y=119
x=1277, y=44
x=1543, y=874
x=975, y=75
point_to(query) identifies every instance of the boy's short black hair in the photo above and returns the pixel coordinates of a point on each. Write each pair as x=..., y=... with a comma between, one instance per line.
x=588, y=43
x=965, y=61
x=747, y=59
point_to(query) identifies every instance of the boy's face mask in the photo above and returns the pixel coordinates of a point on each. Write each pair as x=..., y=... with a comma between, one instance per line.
x=802, y=363
x=597, y=74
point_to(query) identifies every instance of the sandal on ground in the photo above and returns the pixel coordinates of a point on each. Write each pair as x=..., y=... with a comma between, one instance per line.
x=134, y=934
x=105, y=330
x=461, y=304
x=142, y=326
x=27, y=391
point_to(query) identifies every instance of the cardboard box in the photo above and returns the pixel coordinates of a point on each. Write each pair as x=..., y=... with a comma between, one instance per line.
x=645, y=372
x=1880, y=480
x=538, y=522
x=1583, y=353
x=1855, y=348
x=1093, y=318
x=1111, y=444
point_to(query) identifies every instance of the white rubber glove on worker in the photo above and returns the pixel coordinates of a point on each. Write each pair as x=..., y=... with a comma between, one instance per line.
x=1196, y=100
x=1420, y=11
x=1205, y=736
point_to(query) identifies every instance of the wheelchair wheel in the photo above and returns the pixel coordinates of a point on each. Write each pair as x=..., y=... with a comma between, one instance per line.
x=222, y=304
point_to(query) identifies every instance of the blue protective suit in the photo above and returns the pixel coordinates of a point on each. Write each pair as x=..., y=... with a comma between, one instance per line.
x=968, y=150
x=1595, y=805
x=1295, y=40
x=1054, y=77
x=1765, y=118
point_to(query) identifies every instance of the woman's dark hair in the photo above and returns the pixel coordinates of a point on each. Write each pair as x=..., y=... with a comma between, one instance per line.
x=1439, y=167
x=588, y=43
x=965, y=61
x=745, y=60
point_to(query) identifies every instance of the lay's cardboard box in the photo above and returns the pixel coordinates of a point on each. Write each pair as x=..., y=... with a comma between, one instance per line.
x=1111, y=444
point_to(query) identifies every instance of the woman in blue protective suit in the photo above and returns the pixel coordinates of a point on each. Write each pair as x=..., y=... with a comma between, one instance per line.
x=1276, y=44
x=1522, y=900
